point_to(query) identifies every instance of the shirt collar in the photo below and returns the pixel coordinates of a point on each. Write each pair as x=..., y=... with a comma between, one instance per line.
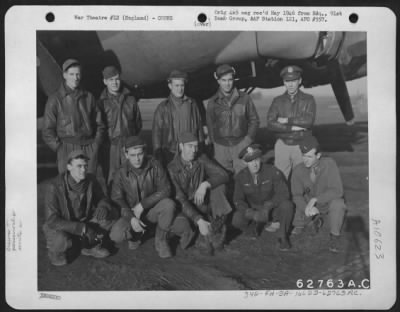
x=178, y=101
x=234, y=93
x=65, y=90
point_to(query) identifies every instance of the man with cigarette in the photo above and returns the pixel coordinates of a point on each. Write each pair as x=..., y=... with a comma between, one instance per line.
x=72, y=119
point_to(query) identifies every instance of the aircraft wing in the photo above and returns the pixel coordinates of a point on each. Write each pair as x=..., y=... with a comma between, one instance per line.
x=147, y=57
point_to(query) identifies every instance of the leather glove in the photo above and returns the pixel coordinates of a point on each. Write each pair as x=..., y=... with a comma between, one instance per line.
x=91, y=237
x=101, y=213
x=127, y=213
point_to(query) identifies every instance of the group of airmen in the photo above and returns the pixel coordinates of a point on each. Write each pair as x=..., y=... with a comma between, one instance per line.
x=179, y=189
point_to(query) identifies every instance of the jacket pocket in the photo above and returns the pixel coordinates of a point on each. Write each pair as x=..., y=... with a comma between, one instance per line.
x=65, y=127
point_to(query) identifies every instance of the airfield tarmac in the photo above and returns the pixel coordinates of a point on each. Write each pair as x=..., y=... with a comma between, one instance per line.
x=246, y=263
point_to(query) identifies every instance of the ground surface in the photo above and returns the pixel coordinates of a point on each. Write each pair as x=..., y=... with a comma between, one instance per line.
x=246, y=263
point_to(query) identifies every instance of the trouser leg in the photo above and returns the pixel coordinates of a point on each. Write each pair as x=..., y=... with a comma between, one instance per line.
x=285, y=212
x=181, y=227
x=220, y=205
x=120, y=230
x=62, y=156
x=104, y=158
x=299, y=219
x=239, y=219
x=296, y=157
x=162, y=213
x=238, y=163
x=222, y=155
x=57, y=241
x=337, y=209
x=92, y=152
x=282, y=157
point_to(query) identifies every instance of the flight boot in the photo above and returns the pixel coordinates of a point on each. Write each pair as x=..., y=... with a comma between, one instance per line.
x=204, y=245
x=161, y=243
x=96, y=252
x=218, y=232
x=186, y=238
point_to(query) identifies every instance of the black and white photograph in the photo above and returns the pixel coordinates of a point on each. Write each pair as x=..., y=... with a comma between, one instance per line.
x=201, y=159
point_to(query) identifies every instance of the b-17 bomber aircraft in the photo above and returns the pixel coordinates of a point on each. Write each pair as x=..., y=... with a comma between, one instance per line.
x=147, y=57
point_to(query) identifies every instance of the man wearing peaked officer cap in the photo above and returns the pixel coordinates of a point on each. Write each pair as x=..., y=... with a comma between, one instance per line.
x=291, y=73
x=261, y=188
x=122, y=117
x=232, y=120
x=72, y=119
x=317, y=188
x=76, y=207
x=176, y=114
x=290, y=116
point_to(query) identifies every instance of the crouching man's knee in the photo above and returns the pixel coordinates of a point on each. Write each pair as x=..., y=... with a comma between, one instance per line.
x=239, y=219
x=57, y=241
x=337, y=205
x=286, y=206
x=181, y=227
x=120, y=231
x=167, y=214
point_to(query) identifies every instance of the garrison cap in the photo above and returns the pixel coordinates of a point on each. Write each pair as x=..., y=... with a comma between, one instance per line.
x=68, y=63
x=177, y=74
x=308, y=143
x=186, y=137
x=250, y=152
x=110, y=71
x=134, y=141
x=77, y=154
x=223, y=70
x=292, y=72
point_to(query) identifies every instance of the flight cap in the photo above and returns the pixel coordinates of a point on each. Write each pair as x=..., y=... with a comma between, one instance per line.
x=110, y=71
x=68, y=63
x=186, y=137
x=134, y=141
x=77, y=154
x=308, y=143
x=223, y=70
x=177, y=74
